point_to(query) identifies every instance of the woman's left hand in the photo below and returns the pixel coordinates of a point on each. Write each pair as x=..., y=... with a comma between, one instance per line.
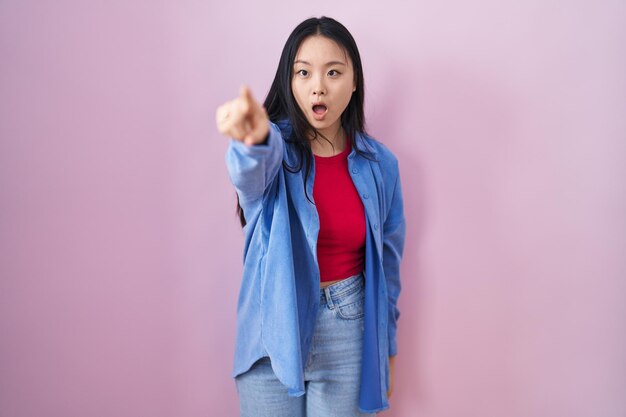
x=391, y=362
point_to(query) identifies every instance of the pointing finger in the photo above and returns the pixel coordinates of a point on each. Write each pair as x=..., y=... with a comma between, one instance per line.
x=246, y=94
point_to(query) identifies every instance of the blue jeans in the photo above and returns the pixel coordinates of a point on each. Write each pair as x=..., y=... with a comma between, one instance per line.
x=333, y=369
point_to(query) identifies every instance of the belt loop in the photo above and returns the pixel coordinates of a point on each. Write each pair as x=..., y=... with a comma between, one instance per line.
x=329, y=298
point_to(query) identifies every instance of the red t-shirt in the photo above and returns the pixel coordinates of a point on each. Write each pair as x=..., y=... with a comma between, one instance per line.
x=341, y=239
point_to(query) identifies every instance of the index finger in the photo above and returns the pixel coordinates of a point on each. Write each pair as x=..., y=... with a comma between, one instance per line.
x=246, y=94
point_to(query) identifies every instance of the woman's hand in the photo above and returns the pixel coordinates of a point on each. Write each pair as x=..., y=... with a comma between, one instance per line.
x=243, y=119
x=391, y=362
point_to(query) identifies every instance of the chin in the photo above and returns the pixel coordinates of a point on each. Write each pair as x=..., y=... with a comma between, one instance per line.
x=318, y=124
x=321, y=124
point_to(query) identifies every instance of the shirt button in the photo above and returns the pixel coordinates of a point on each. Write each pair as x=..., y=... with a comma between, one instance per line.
x=366, y=195
x=376, y=226
x=355, y=171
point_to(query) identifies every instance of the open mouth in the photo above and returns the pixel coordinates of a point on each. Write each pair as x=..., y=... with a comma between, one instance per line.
x=319, y=109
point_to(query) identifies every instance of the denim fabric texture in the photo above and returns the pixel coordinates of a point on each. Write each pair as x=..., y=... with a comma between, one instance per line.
x=278, y=301
x=332, y=371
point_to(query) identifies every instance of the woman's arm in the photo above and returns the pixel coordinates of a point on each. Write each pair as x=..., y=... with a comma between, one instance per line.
x=256, y=148
x=393, y=245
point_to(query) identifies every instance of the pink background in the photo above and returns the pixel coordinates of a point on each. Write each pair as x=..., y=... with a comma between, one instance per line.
x=120, y=255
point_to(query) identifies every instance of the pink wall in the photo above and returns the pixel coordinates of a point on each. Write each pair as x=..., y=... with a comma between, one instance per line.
x=120, y=256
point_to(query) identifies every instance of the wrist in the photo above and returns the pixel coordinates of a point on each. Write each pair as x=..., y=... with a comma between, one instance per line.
x=264, y=140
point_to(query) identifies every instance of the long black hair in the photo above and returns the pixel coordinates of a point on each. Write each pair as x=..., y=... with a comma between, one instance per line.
x=281, y=103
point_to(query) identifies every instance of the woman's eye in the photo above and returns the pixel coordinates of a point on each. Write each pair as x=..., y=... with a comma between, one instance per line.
x=333, y=73
x=302, y=72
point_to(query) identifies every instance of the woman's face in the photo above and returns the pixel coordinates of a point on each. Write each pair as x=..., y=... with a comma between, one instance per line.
x=322, y=83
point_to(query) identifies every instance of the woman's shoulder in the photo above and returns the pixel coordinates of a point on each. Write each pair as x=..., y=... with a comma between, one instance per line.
x=284, y=126
x=364, y=142
x=382, y=152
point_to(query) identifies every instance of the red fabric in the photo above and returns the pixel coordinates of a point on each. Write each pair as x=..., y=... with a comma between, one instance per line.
x=341, y=240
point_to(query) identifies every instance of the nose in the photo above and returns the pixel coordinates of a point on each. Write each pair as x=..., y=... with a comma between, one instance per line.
x=319, y=89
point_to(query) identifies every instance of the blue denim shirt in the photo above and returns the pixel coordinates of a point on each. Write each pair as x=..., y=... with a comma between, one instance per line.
x=280, y=260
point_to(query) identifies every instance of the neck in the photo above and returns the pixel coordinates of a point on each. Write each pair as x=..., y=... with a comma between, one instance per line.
x=333, y=144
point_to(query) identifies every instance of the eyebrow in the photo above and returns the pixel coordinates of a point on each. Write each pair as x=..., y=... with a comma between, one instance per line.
x=328, y=64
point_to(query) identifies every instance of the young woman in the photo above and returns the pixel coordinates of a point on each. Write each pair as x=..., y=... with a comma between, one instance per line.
x=320, y=203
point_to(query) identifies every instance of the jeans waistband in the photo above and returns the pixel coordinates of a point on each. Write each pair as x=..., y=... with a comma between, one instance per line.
x=342, y=288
